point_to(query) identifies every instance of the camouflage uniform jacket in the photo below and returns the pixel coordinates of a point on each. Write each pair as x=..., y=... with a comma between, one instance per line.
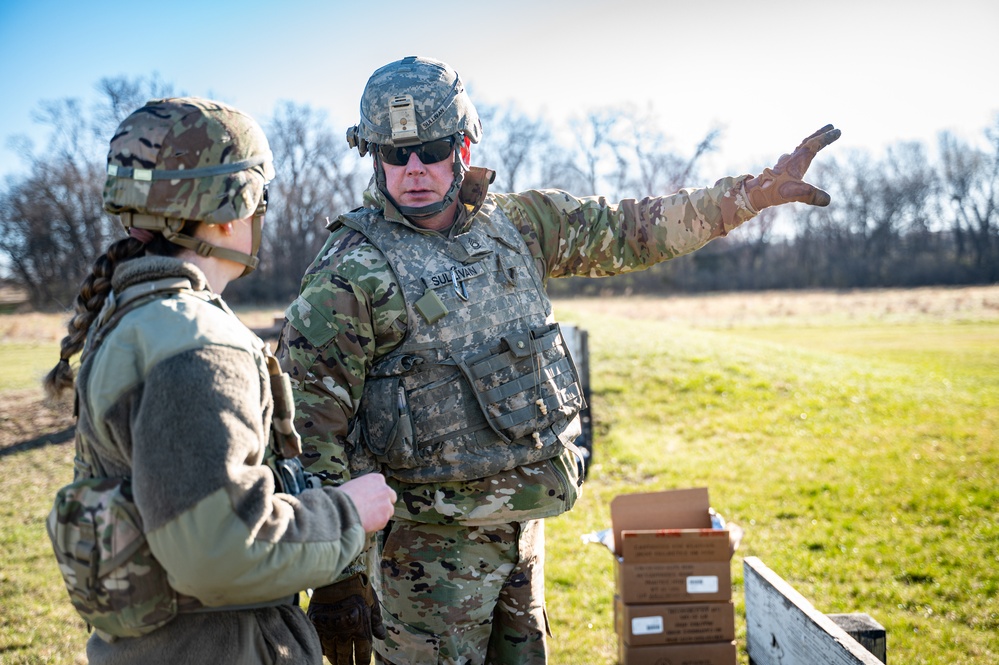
x=177, y=397
x=351, y=313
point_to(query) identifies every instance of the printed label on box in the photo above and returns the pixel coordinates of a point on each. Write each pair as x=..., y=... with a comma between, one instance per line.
x=647, y=625
x=668, y=582
x=702, y=584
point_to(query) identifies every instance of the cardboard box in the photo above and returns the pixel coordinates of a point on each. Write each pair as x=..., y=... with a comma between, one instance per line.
x=666, y=550
x=694, y=582
x=674, y=623
x=713, y=653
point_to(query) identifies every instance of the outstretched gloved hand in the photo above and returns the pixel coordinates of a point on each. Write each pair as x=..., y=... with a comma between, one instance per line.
x=347, y=617
x=783, y=183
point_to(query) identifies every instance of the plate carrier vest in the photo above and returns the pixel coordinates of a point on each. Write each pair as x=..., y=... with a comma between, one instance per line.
x=482, y=382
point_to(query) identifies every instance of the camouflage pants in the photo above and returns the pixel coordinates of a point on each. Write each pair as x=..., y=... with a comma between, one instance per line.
x=461, y=595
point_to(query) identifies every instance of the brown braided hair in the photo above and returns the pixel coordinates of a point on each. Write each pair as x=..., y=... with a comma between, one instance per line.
x=93, y=292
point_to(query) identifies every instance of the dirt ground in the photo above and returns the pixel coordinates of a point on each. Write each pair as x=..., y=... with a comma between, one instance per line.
x=28, y=421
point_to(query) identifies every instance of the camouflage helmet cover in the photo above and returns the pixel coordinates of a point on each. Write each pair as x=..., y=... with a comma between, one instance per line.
x=440, y=107
x=224, y=152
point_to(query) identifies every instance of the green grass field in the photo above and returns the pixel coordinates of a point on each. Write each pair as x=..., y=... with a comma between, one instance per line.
x=24, y=364
x=859, y=453
x=852, y=436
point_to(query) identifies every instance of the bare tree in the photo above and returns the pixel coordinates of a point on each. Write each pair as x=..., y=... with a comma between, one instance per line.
x=317, y=179
x=620, y=153
x=658, y=168
x=515, y=146
x=896, y=221
x=597, y=152
x=51, y=220
x=52, y=226
x=971, y=183
x=50, y=230
x=120, y=96
x=878, y=232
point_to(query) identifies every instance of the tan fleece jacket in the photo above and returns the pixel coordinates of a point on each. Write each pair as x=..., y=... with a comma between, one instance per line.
x=177, y=397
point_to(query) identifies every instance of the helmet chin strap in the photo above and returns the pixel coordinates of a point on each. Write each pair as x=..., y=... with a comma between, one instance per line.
x=252, y=260
x=199, y=246
x=170, y=228
x=421, y=212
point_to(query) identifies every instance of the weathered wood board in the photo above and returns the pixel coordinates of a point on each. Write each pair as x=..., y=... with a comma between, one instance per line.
x=783, y=628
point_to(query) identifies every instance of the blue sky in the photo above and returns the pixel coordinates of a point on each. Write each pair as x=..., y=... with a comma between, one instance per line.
x=768, y=73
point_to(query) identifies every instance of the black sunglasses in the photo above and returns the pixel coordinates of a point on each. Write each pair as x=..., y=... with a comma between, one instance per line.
x=430, y=152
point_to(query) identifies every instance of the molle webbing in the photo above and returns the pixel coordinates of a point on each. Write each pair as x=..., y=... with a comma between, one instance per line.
x=481, y=383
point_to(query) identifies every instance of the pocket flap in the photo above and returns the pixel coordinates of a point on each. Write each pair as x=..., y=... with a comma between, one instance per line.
x=519, y=344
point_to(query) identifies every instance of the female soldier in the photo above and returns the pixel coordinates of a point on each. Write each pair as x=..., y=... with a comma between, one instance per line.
x=193, y=554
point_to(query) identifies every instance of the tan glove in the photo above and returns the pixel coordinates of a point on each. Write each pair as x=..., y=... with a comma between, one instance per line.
x=347, y=617
x=783, y=183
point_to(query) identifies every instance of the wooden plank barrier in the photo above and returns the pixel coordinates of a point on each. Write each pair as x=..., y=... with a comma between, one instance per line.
x=783, y=628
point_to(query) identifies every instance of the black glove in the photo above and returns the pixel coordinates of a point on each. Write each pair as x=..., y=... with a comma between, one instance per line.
x=347, y=617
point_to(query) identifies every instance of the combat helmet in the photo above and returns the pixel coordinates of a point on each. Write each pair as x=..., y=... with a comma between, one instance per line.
x=189, y=159
x=412, y=101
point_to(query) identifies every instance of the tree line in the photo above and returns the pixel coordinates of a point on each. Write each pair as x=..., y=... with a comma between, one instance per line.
x=898, y=220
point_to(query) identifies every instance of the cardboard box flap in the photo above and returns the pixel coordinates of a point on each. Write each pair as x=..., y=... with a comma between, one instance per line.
x=672, y=509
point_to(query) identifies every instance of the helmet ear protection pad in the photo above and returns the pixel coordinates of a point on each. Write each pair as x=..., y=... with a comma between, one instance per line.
x=355, y=141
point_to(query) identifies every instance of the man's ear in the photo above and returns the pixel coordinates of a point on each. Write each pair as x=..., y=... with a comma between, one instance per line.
x=465, y=151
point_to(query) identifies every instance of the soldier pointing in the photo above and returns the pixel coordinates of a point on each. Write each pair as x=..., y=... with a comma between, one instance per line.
x=422, y=345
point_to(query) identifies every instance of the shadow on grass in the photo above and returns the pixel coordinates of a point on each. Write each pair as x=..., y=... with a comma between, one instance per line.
x=48, y=439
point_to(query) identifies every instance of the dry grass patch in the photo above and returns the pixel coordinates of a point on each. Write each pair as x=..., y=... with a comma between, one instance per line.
x=769, y=308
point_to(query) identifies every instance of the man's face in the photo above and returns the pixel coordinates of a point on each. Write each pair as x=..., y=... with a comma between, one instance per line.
x=416, y=184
